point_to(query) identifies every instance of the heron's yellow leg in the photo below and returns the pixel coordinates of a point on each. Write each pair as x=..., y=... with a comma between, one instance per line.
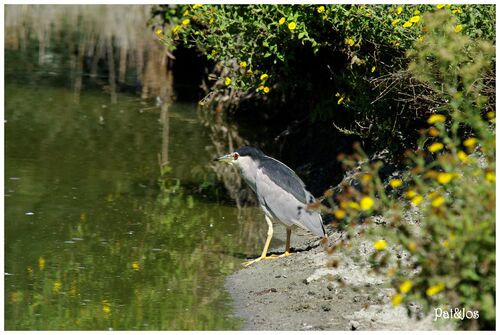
x=266, y=245
x=287, y=248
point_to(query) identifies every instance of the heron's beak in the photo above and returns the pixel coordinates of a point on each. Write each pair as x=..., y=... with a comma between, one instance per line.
x=225, y=159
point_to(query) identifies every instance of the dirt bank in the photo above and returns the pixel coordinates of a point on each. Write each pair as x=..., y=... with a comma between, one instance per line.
x=299, y=293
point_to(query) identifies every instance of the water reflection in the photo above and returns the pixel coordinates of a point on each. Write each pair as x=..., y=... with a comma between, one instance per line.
x=112, y=44
x=91, y=242
x=94, y=238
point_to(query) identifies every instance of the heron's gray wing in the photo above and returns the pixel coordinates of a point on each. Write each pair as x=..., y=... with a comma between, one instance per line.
x=285, y=178
x=285, y=206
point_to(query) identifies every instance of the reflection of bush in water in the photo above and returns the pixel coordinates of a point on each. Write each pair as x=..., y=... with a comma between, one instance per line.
x=90, y=36
x=172, y=265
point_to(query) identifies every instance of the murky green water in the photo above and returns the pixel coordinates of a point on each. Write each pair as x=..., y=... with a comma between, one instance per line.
x=90, y=240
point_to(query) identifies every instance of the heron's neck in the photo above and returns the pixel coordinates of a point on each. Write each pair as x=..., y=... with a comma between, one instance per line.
x=248, y=168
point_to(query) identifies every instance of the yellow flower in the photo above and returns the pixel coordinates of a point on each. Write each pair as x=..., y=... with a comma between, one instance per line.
x=462, y=156
x=436, y=118
x=405, y=287
x=106, y=306
x=243, y=64
x=490, y=115
x=416, y=12
x=395, y=183
x=281, y=21
x=412, y=246
x=158, y=31
x=340, y=214
x=353, y=205
x=433, y=132
x=196, y=6
x=397, y=299
x=185, y=22
x=186, y=13
x=176, y=28
x=411, y=193
x=446, y=244
x=366, y=178
x=407, y=24
x=56, y=287
x=374, y=68
x=41, y=263
x=340, y=100
x=439, y=6
x=260, y=88
x=470, y=142
x=437, y=146
x=14, y=297
x=400, y=9
x=266, y=89
x=211, y=20
x=435, y=289
x=490, y=176
x=395, y=22
x=458, y=28
x=456, y=11
x=264, y=77
x=135, y=265
x=292, y=25
x=227, y=81
x=321, y=9
x=350, y=41
x=417, y=200
x=415, y=19
x=444, y=177
x=366, y=203
x=437, y=202
x=380, y=245
x=434, y=195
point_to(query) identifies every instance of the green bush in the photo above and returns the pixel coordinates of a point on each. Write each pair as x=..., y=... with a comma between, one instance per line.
x=314, y=60
x=449, y=187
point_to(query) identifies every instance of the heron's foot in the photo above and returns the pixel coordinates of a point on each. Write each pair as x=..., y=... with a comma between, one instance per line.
x=248, y=263
x=285, y=254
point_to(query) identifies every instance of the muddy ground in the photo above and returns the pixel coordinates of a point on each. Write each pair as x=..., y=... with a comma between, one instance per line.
x=301, y=293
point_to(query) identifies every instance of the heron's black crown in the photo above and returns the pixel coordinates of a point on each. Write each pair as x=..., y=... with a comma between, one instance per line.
x=250, y=151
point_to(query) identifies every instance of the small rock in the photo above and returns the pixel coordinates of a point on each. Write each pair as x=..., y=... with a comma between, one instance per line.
x=353, y=325
x=326, y=308
x=311, y=293
x=330, y=287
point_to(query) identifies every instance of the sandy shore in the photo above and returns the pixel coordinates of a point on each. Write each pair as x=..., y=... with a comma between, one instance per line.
x=300, y=292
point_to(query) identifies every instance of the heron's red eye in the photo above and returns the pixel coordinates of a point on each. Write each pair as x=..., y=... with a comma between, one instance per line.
x=236, y=155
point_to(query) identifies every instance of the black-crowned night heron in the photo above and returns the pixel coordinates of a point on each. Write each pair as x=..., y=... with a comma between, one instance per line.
x=282, y=195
